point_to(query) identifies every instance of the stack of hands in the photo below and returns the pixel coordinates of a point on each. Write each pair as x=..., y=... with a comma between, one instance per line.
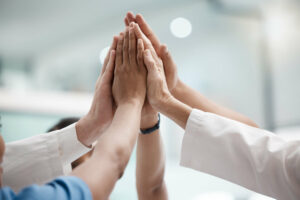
x=137, y=70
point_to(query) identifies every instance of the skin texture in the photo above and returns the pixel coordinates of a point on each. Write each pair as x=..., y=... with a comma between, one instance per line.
x=177, y=88
x=113, y=150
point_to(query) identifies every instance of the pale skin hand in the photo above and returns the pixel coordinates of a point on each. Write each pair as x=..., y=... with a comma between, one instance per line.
x=100, y=115
x=160, y=49
x=113, y=150
x=149, y=115
x=126, y=58
x=179, y=90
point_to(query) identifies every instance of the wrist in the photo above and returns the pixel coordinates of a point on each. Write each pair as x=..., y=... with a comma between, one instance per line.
x=149, y=120
x=177, y=90
x=133, y=102
x=153, y=128
x=163, y=102
x=87, y=130
x=177, y=111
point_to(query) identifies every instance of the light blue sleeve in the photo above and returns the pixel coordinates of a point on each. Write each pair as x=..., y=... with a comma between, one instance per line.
x=63, y=188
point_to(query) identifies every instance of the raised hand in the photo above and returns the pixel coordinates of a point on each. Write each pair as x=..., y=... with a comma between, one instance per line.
x=160, y=49
x=129, y=78
x=100, y=115
x=157, y=88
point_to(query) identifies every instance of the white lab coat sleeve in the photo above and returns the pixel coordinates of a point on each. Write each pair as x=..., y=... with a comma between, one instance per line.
x=248, y=156
x=39, y=159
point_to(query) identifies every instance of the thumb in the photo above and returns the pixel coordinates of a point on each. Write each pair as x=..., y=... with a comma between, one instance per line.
x=149, y=61
x=167, y=58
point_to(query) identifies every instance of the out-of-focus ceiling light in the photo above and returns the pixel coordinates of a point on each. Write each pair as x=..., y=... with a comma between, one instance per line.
x=181, y=27
x=103, y=54
x=279, y=25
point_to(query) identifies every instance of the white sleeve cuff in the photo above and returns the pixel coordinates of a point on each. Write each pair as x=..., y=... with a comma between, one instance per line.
x=186, y=158
x=70, y=148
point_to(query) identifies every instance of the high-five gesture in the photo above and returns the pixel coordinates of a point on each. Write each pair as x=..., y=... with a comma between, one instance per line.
x=145, y=32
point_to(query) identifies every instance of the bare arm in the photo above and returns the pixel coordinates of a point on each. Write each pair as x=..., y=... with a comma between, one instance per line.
x=112, y=152
x=179, y=90
x=150, y=167
x=195, y=99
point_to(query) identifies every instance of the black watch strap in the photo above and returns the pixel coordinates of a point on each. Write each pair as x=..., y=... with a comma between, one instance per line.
x=152, y=129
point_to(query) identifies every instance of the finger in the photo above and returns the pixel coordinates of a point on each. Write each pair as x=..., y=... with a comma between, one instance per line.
x=146, y=41
x=166, y=58
x=132, y=46
x=119, y=56
x=149, y=61
x=140, y=50
x=130, y=17
x=126, y=47
x=112, y=47
x=108, y=74
x=145, y=28
x=139, y=34
x=126, y=22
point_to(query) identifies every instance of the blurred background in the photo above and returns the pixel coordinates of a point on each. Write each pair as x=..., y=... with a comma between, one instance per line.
x=243, y=54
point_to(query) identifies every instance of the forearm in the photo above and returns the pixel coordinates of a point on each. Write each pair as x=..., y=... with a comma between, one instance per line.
x=195, y=99
x=150, y=167
x=112, y=152
x=175, y=110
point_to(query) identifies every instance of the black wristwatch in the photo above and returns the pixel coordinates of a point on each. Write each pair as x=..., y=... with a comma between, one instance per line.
x=152, y=129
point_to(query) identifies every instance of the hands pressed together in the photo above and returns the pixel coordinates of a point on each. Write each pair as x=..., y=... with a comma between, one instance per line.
x=138, y=80
x=137, y=69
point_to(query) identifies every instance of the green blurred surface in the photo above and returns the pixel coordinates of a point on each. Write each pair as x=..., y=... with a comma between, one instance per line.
x=16, y=126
